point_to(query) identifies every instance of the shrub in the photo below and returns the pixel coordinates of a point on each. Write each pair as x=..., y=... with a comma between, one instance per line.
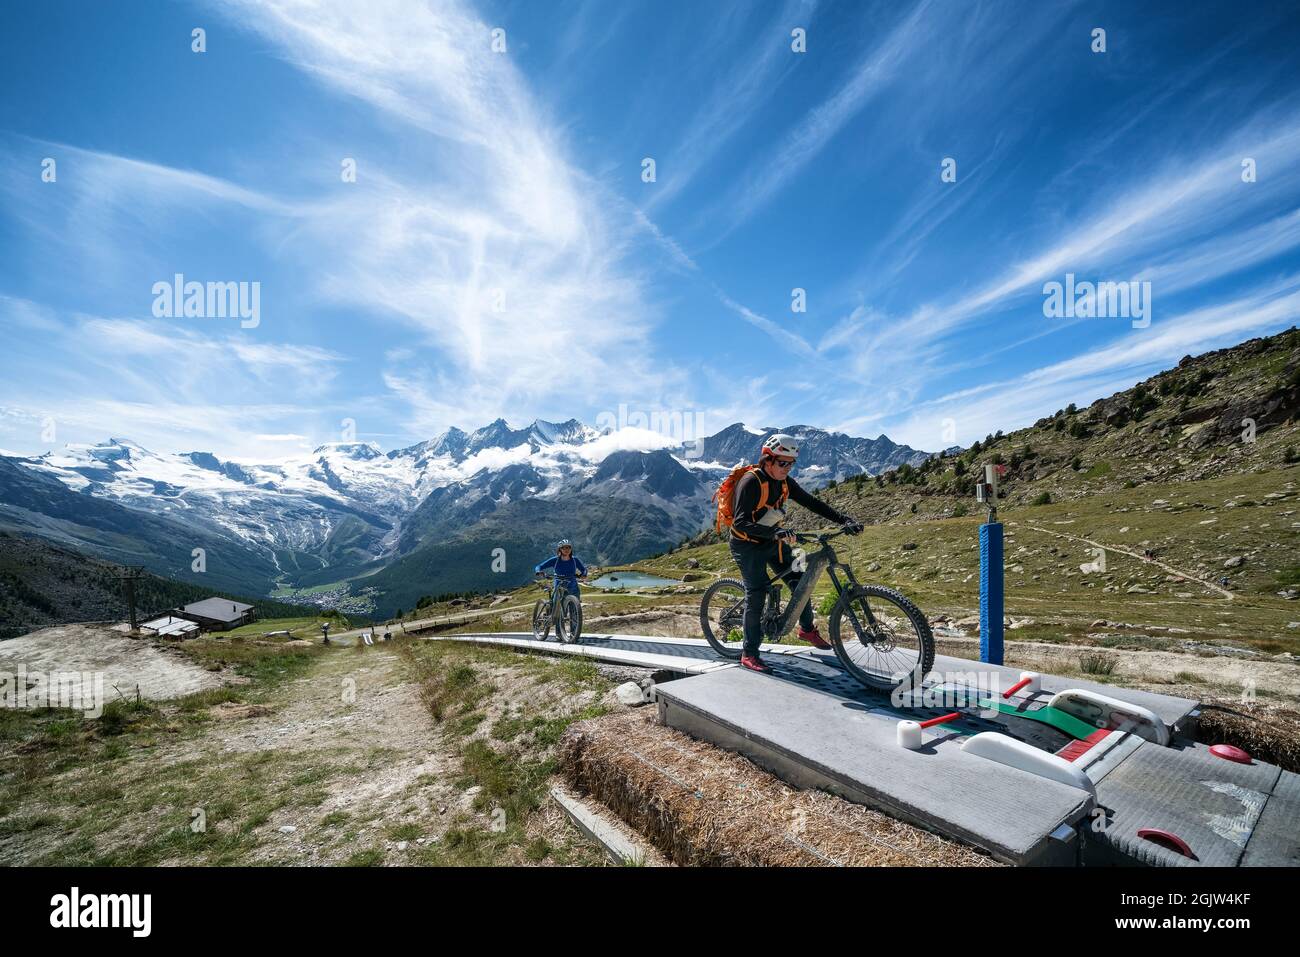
x=1093, y=663
x=1042, y=498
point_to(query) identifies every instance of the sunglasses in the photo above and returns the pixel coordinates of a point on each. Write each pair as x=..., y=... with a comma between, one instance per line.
x=783, y=463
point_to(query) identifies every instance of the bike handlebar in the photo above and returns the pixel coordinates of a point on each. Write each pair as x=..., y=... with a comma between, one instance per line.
x=809, y=537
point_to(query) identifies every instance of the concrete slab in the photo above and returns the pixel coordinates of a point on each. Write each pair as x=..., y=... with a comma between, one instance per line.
x=1176, y=712
x=814, y=739
x=815, y=726
x=1276, y=841
x=619, y=845
x=1214, y=805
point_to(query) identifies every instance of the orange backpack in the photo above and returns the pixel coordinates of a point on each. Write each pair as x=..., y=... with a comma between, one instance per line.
x=725, y=496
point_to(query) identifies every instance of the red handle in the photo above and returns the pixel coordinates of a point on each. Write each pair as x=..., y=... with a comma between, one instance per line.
x=1167, y=839
x=1016, y=687
x=941, y=720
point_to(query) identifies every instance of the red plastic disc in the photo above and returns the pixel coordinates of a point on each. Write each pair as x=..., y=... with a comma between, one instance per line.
x=1230, y=752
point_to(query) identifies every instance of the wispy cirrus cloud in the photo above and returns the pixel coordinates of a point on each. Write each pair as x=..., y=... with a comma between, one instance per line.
x=979, y=410
x=868, y=79
x=737, y=96
x=506, y=261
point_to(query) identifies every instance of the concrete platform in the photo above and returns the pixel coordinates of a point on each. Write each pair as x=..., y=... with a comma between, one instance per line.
x=814, y=725
x=847, y=747
x=682, y=655
x=1229, y=814
x=821, y=669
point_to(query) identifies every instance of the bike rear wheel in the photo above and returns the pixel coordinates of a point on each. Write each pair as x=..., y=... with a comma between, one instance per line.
x=722, y=616
x=568, y=621
x=881, y=638
x=541, y=619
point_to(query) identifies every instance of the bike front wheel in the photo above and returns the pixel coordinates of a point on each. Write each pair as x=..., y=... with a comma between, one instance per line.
x=568, y=622
x=722, y=616
x=881, y=638
x=541, y=619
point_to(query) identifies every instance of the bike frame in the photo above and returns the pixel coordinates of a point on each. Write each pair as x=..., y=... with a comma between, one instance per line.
x=823, y=560
x=554, y=596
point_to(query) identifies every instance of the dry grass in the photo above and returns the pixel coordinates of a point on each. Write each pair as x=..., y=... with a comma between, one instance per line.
x=1266, y=732
x=703, y=806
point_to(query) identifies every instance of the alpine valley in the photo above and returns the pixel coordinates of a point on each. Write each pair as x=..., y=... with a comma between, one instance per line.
x=353, y=527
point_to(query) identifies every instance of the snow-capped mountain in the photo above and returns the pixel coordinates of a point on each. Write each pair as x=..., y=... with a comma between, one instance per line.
x=823, y=455
x=349, y=507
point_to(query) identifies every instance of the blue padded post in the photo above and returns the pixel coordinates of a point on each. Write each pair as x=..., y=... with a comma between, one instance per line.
x=991, y=593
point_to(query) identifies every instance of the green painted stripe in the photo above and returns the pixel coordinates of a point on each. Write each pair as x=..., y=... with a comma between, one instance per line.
x=1057, y=718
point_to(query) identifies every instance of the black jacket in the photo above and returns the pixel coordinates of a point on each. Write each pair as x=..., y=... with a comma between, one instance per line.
x=747, y=495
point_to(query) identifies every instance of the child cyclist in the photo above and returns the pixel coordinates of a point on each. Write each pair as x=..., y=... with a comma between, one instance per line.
x=568, y=566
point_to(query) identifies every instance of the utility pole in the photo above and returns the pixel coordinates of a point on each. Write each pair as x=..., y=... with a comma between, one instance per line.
x=132, y=575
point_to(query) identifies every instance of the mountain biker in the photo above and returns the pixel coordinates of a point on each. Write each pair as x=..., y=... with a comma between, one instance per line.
x=757, y=539
x=568, y=566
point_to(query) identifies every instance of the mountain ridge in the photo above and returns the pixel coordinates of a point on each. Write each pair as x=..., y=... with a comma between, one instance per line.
x=348, y=508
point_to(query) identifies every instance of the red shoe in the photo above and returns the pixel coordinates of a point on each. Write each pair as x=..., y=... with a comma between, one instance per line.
x=755, y=663
x=814, y=638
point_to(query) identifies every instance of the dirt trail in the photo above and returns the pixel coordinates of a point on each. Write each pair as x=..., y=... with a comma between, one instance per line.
x=1142, y=558
x=417, y=624
x=351, y=709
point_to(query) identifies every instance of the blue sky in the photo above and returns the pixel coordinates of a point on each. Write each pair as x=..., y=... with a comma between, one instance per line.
x=499, y=253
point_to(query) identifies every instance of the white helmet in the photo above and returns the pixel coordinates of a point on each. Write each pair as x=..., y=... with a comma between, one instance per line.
x=786, y=446
x=563, y=543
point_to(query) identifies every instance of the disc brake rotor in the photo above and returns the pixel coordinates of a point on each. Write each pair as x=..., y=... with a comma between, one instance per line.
x=879, y=638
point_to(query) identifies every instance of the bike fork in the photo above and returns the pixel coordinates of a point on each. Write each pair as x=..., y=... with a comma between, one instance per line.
x=866, y=607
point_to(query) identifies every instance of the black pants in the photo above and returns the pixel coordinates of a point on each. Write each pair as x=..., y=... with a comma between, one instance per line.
x=754, y=559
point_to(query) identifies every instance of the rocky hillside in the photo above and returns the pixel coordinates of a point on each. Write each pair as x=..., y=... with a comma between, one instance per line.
x=1229, y=412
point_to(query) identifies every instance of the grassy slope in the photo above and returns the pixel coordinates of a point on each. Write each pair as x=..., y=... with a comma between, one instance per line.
x=396, y=763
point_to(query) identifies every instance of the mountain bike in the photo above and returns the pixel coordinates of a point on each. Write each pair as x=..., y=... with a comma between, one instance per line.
x=881, y=638
x=558, y=609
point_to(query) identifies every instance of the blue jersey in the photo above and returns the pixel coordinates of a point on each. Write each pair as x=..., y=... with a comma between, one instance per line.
x=568, y=569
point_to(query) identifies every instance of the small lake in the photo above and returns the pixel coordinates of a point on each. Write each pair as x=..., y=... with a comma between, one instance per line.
x=616, y=580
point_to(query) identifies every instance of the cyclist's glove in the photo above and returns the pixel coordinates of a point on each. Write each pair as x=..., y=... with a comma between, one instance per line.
x=852, y=526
